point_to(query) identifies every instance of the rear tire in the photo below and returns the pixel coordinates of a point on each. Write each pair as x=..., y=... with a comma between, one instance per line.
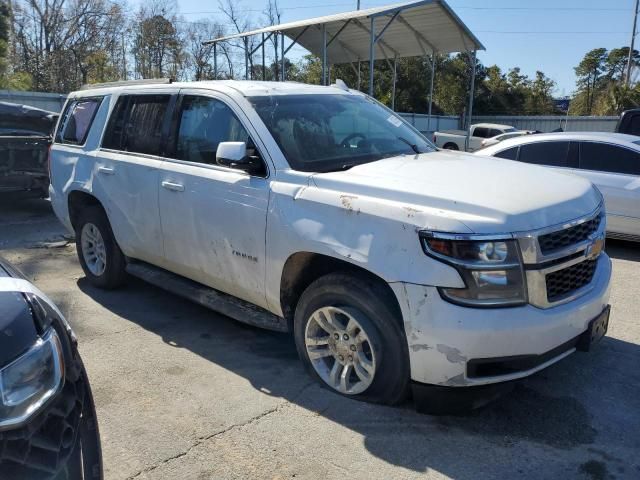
x=100, y=256
x=451, y=146
x=350, y=339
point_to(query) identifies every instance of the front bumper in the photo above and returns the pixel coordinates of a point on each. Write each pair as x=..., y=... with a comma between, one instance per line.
x=444, y=339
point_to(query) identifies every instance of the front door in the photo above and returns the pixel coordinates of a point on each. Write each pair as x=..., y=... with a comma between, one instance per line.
x=213, y=217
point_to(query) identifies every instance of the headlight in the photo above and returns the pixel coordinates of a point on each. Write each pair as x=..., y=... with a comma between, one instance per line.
x=491, y=269
x=31, y=380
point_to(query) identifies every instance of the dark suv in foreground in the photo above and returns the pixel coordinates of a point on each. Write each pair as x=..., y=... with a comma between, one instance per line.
x=48, y=427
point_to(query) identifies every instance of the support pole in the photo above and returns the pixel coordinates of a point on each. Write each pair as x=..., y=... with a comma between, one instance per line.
x=264, y=63
x=633, y=38
x=359, y=75
x=395, y=79
x=215, y=61
x=246, y=58
x=433, y=72
x=324, y=54
x=283, y=75
x=372, y=54
x=470, y=112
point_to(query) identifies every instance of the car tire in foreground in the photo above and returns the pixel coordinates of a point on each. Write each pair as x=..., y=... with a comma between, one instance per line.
x=349, y=337
x=100, y=256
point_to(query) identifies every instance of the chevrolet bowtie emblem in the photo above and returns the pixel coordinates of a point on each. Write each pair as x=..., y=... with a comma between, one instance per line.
x=595, y=248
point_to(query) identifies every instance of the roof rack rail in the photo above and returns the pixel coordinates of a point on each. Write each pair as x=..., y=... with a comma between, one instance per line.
x=122, y=83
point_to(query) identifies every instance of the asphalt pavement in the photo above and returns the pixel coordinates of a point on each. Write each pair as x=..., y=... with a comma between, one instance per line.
x=185, y=393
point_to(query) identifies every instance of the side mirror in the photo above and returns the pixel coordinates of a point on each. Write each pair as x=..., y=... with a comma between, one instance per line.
x=234, y=155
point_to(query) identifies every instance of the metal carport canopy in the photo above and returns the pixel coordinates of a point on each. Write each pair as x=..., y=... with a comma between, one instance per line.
x=418, y=28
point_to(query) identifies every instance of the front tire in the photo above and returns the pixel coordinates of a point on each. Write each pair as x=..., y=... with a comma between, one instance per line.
x=100, y=256
x=350, y=339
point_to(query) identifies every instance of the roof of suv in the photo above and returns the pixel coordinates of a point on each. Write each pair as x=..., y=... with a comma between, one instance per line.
x=244, y=87
x=605, y=137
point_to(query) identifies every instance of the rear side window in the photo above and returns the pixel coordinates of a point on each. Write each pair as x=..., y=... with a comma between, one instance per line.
x=634, y=128
x=609, y=158
x=76, y=120
x=509, y=153
x=494, y=133
x=480, y=132
x=554, y=154
x=136, y=124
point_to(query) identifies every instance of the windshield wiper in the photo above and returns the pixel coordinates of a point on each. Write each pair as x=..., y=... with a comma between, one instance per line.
x=340, y=168
x=413, y=146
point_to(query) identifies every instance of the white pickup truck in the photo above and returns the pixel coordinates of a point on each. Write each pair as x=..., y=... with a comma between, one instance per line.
x=316, y=210
x=456, y=139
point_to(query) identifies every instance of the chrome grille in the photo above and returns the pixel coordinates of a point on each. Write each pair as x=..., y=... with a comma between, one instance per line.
x=560, y=239
x=567, y=280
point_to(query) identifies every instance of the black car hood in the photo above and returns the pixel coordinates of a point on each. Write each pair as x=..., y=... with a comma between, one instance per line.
x=17, y=327
x=14, y=116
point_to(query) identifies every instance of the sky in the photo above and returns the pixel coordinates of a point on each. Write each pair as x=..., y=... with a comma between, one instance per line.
x=547, y=35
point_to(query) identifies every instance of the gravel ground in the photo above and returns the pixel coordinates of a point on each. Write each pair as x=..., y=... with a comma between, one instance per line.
x=186, y=393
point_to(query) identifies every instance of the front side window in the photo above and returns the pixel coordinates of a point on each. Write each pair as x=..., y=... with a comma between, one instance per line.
x=328, y=132
x=203, y=123
x=609, y=158
x=76, y=120
x=136, y=124
x=554, y=154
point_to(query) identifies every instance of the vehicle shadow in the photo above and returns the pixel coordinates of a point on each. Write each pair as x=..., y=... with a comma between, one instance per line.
x=562, y=408
x=623, y=250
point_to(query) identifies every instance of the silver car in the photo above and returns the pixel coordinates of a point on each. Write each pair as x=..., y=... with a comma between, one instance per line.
x=610, y=160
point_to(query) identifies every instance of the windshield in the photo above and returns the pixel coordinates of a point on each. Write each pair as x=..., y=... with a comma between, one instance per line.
x=326, y=132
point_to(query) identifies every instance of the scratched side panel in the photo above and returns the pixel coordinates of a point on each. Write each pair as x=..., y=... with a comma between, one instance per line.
x=376, y=234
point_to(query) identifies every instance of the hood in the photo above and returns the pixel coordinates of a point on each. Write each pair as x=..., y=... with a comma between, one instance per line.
x=488, y=195
x=17, y=327
x=23, y=117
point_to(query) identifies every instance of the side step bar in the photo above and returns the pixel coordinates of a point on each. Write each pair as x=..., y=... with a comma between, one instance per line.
x=208, y=297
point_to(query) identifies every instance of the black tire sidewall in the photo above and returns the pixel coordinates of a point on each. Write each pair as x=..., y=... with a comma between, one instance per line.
x=385, y=332
x=113, y=275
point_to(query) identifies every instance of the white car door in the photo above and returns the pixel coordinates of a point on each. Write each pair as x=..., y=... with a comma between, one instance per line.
x=213, y=217
x=126, y=172
x=615, y=170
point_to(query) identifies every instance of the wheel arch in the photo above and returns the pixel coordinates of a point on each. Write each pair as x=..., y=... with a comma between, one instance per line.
x=301, y=269
x=79, y=199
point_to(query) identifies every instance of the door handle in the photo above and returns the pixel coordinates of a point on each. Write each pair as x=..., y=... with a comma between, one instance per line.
x=106, y=170
x=174, y=187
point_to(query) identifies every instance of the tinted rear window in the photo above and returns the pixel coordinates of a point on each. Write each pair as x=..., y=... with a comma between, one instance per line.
x=76, y=120
x=136, y=124
x=609, y=158
x=554, y=154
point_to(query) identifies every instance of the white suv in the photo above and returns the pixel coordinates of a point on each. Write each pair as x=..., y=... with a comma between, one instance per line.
x=317, y=210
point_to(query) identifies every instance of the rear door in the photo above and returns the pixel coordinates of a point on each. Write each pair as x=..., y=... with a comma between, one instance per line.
x=616, y=172
x=127, y=172
x=213, y=217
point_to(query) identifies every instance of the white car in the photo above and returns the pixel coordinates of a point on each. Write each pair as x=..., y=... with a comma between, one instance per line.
x=456, y=139
x=317, y=210
x=505, y=136
x=610, y=160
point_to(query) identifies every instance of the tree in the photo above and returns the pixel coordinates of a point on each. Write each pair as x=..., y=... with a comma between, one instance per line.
x=589, y=72
x=57, y=42
x=199, y=56
x=157, y=45
x=273, y=15
x=241, y=23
